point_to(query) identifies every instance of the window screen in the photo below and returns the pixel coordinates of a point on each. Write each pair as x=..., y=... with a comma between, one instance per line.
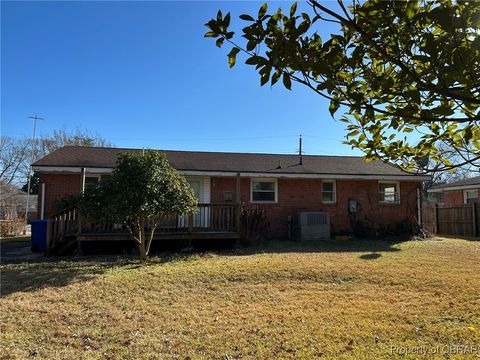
x=263, y=191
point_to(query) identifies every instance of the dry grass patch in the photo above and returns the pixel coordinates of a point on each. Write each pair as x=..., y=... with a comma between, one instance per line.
x=289, y=300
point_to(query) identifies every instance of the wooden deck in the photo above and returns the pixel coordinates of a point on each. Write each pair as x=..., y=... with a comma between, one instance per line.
x=160, y=236
x=212, y=221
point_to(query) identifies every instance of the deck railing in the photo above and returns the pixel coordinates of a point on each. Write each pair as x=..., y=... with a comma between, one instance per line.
x=223, y=218
x=62, y=223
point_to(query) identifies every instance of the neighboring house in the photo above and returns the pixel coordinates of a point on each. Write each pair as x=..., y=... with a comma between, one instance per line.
x=464, y=191
x=13, y=202
x=346, y=187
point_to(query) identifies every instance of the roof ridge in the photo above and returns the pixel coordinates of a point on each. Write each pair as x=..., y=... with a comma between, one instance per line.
x=469, y=181
x=102, y=156
x=208, y=152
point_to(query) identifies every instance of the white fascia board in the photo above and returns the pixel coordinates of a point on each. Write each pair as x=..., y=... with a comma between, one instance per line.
x=71, y=169
x=337, y=176
x=62, y=169
x=452, y=188
x=207, y=173
x=307, y=176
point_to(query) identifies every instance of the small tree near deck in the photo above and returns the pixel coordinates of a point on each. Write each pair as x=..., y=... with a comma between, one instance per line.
x=142, y=188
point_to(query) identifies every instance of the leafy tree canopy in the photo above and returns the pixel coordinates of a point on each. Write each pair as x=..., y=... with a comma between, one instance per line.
x=16, y=153
x=407, y=74
x=141, y=190
x=34, y=183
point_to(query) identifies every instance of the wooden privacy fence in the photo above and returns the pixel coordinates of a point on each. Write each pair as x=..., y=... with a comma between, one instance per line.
x=457, y=220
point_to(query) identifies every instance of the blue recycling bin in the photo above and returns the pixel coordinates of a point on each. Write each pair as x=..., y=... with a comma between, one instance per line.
x=39, y=235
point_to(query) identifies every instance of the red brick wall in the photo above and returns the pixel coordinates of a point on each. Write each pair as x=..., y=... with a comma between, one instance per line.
x=221, y=184
x=57, y=186
x=455, y=197
x=296, y=195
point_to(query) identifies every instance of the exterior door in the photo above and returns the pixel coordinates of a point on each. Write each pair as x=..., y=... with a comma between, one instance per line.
x=197, y=189
x=202, y=217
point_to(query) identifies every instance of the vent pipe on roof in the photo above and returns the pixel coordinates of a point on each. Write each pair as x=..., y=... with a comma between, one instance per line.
x=300, y=150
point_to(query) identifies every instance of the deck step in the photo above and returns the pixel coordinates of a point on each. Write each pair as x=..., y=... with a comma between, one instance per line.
x=65, y=247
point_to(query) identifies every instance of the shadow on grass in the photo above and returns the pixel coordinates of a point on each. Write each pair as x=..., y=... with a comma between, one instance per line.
x=61, y=271
x=371, y=256
x=373, y=246
x=58, y=272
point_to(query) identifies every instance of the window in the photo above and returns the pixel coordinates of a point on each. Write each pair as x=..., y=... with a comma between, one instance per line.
x=329, y=195
x=91, y=180
x=389, y=192
x=228, y=196
x=196, y=185
x=264, y=190
x=470, y=196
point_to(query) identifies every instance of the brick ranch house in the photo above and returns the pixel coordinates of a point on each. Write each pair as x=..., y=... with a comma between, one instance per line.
x=459, y=192
x=283, y=185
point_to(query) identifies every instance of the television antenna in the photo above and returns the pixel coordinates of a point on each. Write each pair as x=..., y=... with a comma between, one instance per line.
x=32, y=158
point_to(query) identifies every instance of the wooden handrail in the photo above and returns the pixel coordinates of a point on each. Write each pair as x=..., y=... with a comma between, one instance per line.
x=217, y=217
x=63, y=211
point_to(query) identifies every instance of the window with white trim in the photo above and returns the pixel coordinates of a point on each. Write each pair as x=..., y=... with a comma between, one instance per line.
x=470, y=196
x=264, y=190
x=389, y=191
x=329, y=193
x=91, y=180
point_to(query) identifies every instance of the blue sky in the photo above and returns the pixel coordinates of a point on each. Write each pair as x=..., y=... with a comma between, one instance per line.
x=141, y=74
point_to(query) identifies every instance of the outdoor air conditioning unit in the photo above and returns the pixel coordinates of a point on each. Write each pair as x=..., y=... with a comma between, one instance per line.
x=311, y=226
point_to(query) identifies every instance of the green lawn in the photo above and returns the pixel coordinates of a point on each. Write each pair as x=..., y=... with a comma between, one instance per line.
x=355, y=300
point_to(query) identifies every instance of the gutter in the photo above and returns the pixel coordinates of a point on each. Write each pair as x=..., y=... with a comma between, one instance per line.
x=105, y=170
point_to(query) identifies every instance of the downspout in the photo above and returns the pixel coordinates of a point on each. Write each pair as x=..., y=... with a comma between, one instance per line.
x=42, y=199
x=82, y=179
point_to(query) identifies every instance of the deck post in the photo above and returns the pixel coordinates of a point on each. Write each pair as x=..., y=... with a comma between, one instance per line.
x=190, y=223
x=79, y=232
x=238, y=208
x=79, y=223
x=474, y=220
x=190, y=229
x=237, y=189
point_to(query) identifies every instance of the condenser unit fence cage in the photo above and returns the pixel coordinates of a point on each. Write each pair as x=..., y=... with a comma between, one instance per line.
x=310, y=226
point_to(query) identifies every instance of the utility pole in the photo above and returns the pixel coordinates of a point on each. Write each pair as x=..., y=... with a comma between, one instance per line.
x=32, y=158
x=300, y=150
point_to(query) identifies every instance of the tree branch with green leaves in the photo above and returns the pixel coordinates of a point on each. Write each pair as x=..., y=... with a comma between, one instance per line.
x=405, y=74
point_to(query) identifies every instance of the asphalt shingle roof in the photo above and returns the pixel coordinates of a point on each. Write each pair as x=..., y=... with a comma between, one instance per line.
x=100, y=157
x=464, y=182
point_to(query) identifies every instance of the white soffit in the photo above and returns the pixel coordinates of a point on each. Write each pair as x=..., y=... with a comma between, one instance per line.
x=76, y=170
